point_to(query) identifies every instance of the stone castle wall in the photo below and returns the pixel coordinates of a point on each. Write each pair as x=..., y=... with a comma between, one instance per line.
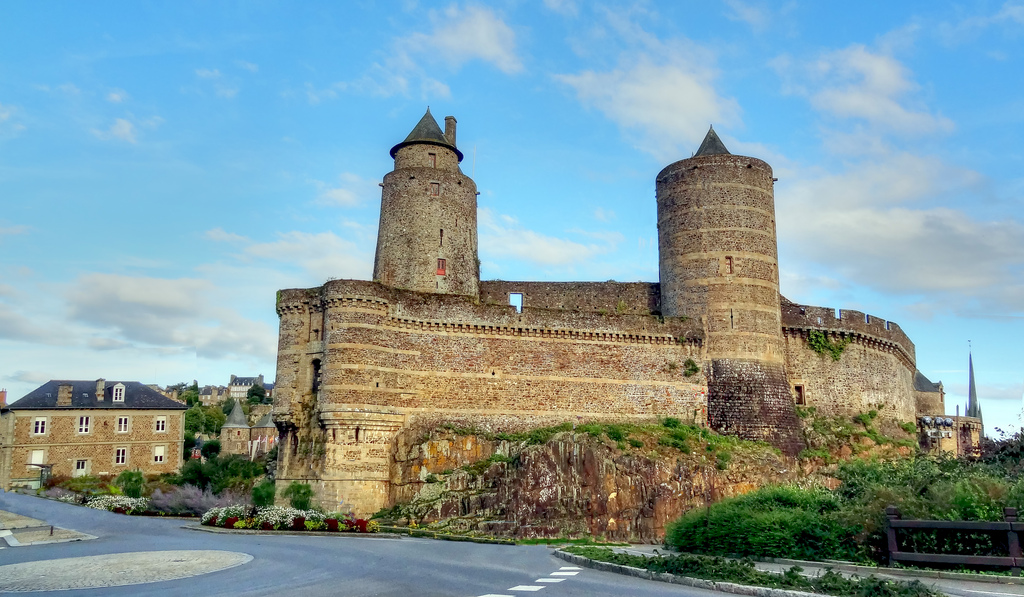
x=392, y=359
x=634, y=298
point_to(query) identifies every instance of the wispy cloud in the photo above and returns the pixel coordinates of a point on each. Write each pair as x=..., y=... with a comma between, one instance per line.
x=352, y=190
x=121, y=130
x=568, y=8
x=249, y=66
x=502, y=237
x=116, y=96
x=755, y=15
x=864, y=85
x=208, y=73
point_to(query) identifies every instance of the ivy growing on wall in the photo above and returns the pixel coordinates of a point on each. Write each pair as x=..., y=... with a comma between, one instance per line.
x=820, y=344
x=690, y=368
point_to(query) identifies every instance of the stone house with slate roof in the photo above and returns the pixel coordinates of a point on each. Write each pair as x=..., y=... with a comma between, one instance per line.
x=100, y=427
x=238, y=387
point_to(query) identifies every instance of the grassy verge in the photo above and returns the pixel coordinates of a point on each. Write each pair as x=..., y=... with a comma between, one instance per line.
x=744, y=572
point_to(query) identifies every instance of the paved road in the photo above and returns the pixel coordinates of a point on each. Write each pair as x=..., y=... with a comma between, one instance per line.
x=304, y=565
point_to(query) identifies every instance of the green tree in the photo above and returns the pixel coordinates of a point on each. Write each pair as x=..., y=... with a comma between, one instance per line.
x=195, y=420
x=215, y=419
x=211, y=448
x=190, y=396
x=299, y=495
x=256, y=394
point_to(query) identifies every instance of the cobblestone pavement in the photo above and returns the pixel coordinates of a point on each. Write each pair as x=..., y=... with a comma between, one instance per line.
x=115, y=570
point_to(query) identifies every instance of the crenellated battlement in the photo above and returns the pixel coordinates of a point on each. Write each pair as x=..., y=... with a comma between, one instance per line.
x=848, y=322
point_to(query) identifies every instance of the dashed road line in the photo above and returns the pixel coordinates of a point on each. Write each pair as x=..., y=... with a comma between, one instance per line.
x=563, y=571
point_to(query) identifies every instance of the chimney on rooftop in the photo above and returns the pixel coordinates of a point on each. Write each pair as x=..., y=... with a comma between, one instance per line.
x=449, y=129
x=101, y=386
x=3, y=397
x=64, y=391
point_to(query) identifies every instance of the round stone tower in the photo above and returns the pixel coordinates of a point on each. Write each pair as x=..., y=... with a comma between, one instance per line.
x=427, y=237
x=718, y=263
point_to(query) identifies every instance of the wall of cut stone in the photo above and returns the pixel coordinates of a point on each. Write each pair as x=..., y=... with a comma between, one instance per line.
x=635, y=298
x=870, y=375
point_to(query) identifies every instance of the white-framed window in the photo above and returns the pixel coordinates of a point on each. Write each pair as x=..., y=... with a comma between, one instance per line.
x=37, y=457
x=120, y=455
x=161, y=424
x=83, y=424
x=81, y=468
x=122, y=424
x=119, y=393
x=39, y=426
x=158, y=453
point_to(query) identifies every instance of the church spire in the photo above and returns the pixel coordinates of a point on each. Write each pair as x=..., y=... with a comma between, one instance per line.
x=973, y=406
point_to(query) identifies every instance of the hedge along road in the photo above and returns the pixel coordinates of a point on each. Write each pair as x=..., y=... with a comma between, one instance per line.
x=311, y=565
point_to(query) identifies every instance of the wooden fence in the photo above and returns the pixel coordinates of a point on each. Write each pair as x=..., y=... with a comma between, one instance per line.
x=1014, y=560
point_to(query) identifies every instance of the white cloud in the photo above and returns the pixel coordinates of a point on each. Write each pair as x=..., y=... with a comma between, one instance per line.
x=11, y=230
x=206, y=73
x=219, y=235
x=856, y=83
x=171, y=313
x=568, y=8
x=321, y=255
x=7, y=120
x=249, y=66
x=1010, y=13
x=665, y=104
x=122, y=129
x=69, y=89
x=31, y=377
x=226, y=92
x=758, y=17
x=473, y=33
x=604, y=215
x=502, y=237
x=117, y=96
x=351, y=191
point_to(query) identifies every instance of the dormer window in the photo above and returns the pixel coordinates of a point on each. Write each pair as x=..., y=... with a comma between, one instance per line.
x=119, y=393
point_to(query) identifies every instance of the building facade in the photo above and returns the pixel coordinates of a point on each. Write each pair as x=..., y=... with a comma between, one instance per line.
x=100, y=427
x=366, y=365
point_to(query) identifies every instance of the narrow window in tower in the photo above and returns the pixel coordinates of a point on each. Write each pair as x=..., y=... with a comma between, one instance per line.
x=441, y=266
x=728, y=265
x=799, y=391
x=435, y=189
x=732, y=321
x=432, y=158
x=441, y=244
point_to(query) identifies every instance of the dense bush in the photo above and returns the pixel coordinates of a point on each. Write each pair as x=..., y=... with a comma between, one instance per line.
x=191, y=500
x=218, y=473
x=131, y=483
x=299, y=495
x=781, y=522
x=263, y=494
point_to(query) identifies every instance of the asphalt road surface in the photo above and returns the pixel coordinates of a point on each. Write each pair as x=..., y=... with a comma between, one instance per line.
x=288, y=564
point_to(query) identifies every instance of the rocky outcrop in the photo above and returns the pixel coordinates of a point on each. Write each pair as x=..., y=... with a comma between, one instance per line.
x=574, y=484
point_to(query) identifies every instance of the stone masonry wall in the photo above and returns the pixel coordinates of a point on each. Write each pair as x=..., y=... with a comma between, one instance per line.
x=635, y=298
x=390, y=358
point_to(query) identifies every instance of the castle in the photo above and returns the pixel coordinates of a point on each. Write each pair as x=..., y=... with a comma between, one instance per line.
x=366, y=366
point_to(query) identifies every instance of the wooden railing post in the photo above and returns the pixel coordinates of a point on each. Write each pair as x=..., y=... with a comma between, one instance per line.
x=892, y=513
x=1012, y=540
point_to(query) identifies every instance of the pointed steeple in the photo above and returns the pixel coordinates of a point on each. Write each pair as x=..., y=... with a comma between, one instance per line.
x=237, y=417
x=427, y=131
x=266, y=421
x=973, y=406
x=712, y=145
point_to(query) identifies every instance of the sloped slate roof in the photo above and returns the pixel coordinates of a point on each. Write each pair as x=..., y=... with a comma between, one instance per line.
x=711, y=145
x=266, y=421
x=83, y=395
x=244, y=381
x=237, y=417
x=923, y=384
x=427, y=131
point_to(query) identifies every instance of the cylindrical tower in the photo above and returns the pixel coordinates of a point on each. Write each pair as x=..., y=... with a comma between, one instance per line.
x=427, y=237
x=718, y=263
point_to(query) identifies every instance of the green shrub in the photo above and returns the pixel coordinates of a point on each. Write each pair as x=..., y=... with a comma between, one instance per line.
x=671, y=422
x=781, y=522
x=211, y=448
x=131, y=483
x=300, y=495
x=263, y=494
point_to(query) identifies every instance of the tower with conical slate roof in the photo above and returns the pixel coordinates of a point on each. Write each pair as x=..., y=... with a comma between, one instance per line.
x=234, y=434
x=718, y=264
x=427, y=240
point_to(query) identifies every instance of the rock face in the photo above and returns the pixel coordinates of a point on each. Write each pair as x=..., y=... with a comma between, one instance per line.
x=574, y=484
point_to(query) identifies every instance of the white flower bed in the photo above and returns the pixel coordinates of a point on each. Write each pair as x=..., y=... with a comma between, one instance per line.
x=278, y=516
x=111, y=502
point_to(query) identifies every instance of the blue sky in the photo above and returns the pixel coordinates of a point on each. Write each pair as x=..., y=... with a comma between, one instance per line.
x=166, y=167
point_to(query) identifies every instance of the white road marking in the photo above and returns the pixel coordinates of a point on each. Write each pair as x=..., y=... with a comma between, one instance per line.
x=570, y=568
x=549, y=580
x=564, y=573
x=990, y=592
x=494, y=595
x=527, y=588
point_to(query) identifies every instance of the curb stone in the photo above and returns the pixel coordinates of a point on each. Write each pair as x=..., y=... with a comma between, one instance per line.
x=222, y=531
x=869, y=570
x=725, y=587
